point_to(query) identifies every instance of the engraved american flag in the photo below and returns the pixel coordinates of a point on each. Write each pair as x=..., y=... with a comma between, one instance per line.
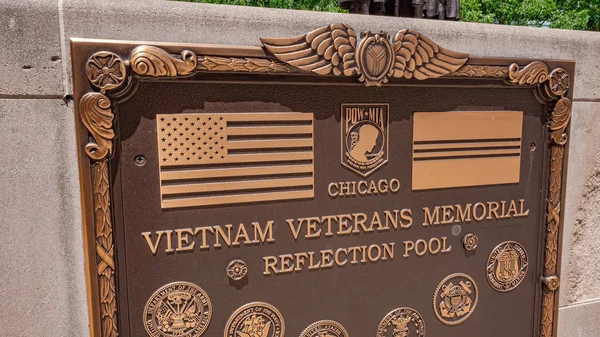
x=232, y=158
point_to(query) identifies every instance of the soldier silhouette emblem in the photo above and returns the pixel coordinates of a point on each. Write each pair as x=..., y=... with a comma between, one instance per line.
x=364, y=137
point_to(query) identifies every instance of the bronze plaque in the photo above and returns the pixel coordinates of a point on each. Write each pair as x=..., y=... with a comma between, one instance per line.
x=320, y=185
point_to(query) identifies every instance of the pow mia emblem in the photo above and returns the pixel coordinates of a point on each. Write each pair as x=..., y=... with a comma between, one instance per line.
x=402, y=322
x=256, y=319
x=507, y=266
x=179, y=309
x=325, y=328
x=455, y=299
x=365, y=137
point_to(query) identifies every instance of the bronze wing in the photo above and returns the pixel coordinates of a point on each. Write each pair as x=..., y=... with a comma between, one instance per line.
x=419, y=57
x=327, y=50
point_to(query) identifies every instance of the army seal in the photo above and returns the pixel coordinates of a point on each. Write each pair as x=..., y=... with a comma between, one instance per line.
x=455, y=299
x=256, y=319
x=325, y=328
x=507, y=266
x=402, y=322
x=179, y=309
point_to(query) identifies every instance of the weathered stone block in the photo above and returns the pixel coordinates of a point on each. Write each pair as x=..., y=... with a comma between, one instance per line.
x=581, y=272
x=579, y=320
x=43, y=282
x=30, y=57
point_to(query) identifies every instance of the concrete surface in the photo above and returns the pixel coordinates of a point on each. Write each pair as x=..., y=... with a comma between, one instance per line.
x=39, y=177
x=30, y=53
x=580, y=320
x=581, y=273
x=42, y=279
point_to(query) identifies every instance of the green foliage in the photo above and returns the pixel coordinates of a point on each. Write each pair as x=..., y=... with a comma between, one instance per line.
x=313, y=5
x=585, y=8
x=471, y=11
x=566, y=14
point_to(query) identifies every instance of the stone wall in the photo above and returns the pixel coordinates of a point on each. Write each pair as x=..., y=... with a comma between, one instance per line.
x=43, y=290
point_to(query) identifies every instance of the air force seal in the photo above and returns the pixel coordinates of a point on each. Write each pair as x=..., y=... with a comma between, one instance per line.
x=364, y=137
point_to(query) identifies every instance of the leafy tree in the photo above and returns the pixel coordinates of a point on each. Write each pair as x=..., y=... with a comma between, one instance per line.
x=566, y=14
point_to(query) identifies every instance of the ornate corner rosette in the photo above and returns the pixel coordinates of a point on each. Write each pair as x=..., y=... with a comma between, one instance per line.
x=334, y=50
x=552, y=86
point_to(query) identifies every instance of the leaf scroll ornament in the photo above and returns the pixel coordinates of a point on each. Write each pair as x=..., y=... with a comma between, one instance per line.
x=156, y=62
x=532, y=74
x=97, y=116
x=561, y=115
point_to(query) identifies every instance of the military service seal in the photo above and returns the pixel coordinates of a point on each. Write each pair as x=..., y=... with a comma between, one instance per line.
x=402, y=322
x=455, y=299
x=179, y=309
x=507, y=266
x=256, y=319
x=325, y=328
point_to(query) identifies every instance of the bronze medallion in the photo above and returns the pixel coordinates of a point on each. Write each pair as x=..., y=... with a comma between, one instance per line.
x=365, y=137
x=178, y=309
x=455, y=299
x=507, y=266
x=325, y=328
x=256, y=319
x=402, y=322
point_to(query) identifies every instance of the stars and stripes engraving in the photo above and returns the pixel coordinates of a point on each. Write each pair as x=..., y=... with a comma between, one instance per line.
x=231, y=158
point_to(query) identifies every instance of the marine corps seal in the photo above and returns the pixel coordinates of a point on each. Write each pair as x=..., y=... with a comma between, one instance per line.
x=402, y=322
x=507, y=266
x=364, y=137
x=325, y=328
x=256, y=319
x=179, y=309
x=455, y=299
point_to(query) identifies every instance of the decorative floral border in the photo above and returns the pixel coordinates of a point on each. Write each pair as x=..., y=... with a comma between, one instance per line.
x=109, y=74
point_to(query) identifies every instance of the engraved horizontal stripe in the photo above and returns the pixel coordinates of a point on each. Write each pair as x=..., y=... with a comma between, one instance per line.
x=465, y=172
x=460, y=152
x=467, y=143
x=457, y=141
x=461, y=125
x=517, y=147
x=252, y=158
x=236, y=186
x=468, y=156
x=270, y=143
x=267, y=116
x=234, y=172
x=236, y=199
x=269, y=130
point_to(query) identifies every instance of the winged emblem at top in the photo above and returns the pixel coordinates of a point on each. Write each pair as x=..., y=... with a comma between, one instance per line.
x=336, y=50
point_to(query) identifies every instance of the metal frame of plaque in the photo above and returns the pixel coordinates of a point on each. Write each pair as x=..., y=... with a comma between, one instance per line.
x=106, y=73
